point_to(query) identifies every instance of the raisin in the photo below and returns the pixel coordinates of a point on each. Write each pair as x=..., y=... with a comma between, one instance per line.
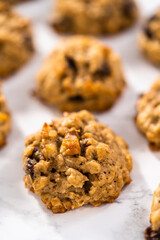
x=103, y=71
x=128, y=8
x=71, y=63
x=77, y=98
x=148, y=32
x=63, y=24
x=30, y=167
x=59, y=142
x=28, y=42
x=87, y=186
x=53, y=170
x=76, y=155
x=152, y=235
x=84, y=146
x=35, y=155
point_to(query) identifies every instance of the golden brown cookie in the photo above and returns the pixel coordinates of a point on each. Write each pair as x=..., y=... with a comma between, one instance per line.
x=81, y=73
x=5, y=119
x=149, y=39
x=148, y=115
x=153, y=232
x=75, y=161
x=94, y=17
x=15, y=40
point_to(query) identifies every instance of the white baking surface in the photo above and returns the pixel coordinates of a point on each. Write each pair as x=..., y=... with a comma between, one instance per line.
x=22, y=214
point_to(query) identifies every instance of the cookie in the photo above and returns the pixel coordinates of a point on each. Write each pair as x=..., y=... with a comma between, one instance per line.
x=75, y=161
x=14, y=1
x=5, y=119
x=15, y=40
x=79, y=74
x=94, y=17
x=153, y=232
x=148, y=115
x=149, y=39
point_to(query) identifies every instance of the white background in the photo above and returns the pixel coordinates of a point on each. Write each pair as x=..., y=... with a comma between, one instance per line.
x=22, y=214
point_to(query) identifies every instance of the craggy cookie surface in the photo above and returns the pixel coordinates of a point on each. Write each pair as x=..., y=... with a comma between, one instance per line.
x=76, y=161
x=15, y=40
x=153, y=232
x=148, y=115
x=81, y=73
x=5, y=120
x=94, y=17
x=149, y=39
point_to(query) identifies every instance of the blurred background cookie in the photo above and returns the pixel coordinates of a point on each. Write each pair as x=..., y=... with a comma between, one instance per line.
x=94, y=17
x=16, y=45
x=149, y=39
x=5, y=120
x=153, y=232
x=148, y=115
x=81, y=73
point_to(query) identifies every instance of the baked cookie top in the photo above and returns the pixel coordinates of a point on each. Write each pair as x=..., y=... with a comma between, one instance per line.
x=11, y=22
x=94, y=17
x=15, y=38
x=148, y=114
x=74, y=161
x=81, y=73
x=153, y=232
x=4, y=119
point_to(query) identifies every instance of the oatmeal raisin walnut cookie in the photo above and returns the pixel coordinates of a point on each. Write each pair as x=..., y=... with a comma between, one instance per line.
x=5, y=120
x=149, y=39
x=153, y=232
x=75, y=161
x=15, y=40
x=79, y=74
x=94, y=17
x=148, y=115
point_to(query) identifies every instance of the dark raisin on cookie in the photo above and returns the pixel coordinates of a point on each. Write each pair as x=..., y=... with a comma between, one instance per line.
x=71, y=63
x=30, y=167
x=35, y=155
x=77, y=98
x=53, y=170
x=152, y=235
x=28, y=42
x=63, y=24
x=87, y=186
x=102, y=72
x=128, y=8
x=148, y=32
x=84, y=145
x=59, y=142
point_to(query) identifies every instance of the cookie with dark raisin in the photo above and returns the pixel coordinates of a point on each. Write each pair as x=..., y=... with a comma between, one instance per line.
x=75, y=161
x=16, y=45
x=5, y=119
x=149, y=39
x=94, y=17
x=153, y=232
x=148, y=115
x=81, y=73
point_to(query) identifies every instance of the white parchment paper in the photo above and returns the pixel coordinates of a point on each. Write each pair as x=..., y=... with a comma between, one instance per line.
x=22, y=214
